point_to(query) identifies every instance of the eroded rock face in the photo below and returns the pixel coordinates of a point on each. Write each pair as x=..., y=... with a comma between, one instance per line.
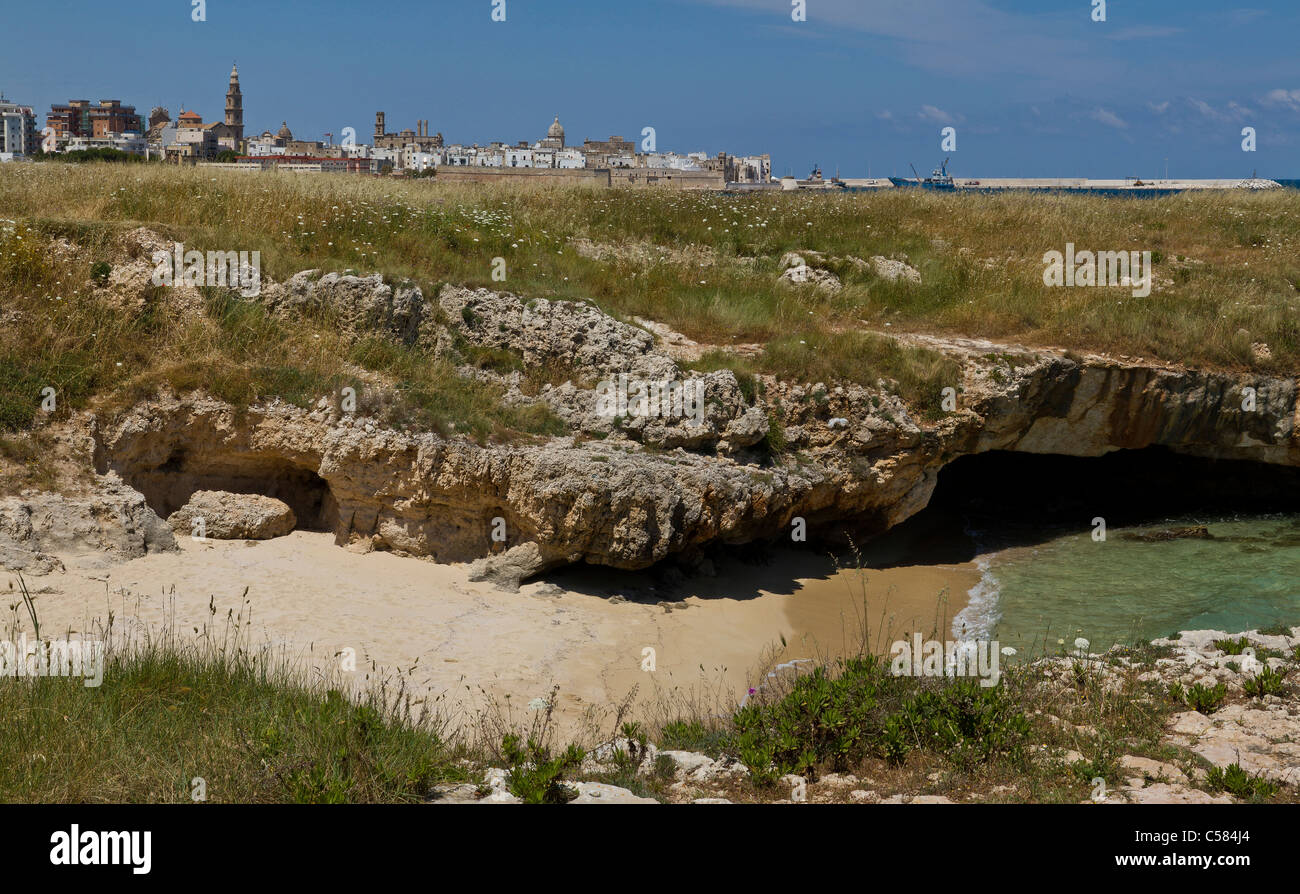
x=112, y=520
x=854, y=454
x=547, y=332
x=360, y=305
x=226, y=516
x=1087, y=409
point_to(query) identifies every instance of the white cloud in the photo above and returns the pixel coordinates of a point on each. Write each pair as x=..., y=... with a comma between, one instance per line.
x=930, y=113
x=1145, y=32
x=1159, y=107
x=1246, y=16
x=1234, y=111
x=1110, y=119
x=1280, y=97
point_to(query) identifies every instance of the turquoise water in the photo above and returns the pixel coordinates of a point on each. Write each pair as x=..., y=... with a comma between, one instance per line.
x=1124, y=590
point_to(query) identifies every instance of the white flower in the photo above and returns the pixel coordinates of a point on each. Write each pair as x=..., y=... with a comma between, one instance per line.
x=1081, y=644
x=1008, y=651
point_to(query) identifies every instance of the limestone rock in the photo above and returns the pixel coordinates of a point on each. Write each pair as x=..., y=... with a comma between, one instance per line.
x=1164, y=793
x=510, y=568
x=229, y=516
x=700, y=769
x=602, y=793
x=547, y=332
x=824, y=280
x=888, y=268
x=605, y=500
x=359, y=305
x=1152, y=769
x=112, y=520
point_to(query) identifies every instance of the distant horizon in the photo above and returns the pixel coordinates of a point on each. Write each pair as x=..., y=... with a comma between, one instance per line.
x=1033, y=88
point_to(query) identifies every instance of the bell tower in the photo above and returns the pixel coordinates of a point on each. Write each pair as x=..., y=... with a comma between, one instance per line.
x=235, y=106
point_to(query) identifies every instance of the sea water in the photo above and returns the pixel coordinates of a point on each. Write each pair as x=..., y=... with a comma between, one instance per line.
x=1124, y=589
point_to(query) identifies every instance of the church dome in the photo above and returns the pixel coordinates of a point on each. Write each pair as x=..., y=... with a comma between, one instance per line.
x=556, y=130
x=285, y=133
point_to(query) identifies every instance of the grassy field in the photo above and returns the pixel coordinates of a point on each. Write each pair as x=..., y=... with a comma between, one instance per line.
x=246, y=719
x=1227, y=277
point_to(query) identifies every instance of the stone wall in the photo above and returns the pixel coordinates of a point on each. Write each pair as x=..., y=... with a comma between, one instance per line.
x=547, y=176
x=667, y=178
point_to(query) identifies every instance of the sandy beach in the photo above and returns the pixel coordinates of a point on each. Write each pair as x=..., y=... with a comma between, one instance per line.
x=585, y=630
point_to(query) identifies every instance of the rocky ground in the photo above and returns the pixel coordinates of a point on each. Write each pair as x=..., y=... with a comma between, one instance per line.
x=1260, y=735
x=629, y=491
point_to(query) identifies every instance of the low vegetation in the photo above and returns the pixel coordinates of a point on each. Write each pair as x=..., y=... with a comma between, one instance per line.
x=704, y=263
x=1226, y=278
x=181, y=718
x=63, y=333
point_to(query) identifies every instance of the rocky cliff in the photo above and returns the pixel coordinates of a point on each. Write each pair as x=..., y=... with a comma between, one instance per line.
x=629, y=491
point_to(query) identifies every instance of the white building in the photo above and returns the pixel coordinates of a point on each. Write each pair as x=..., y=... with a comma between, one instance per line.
x=260, y=147
x=753, y=168
x=570, y=159
x=672, y=161
x=420, y=161
x=133, y=143
x=18, y=134
x=519, y=157
x=387, y=157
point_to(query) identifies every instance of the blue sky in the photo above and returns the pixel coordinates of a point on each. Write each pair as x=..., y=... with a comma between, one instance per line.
x=1033, y=87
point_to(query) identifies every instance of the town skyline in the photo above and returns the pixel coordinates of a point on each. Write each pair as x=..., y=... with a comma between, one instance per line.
x=112, y=126
x=861, y=94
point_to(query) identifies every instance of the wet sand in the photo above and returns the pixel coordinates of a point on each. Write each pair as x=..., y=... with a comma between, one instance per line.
x=712, y=639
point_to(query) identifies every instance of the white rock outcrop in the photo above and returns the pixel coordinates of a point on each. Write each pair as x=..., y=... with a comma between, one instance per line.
x=226, y=516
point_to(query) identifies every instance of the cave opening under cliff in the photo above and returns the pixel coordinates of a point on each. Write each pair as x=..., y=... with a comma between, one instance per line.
x=1002, y=498
x=169, y=486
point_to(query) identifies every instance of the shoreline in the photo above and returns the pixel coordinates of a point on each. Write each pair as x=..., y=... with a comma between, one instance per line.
x=475, y=643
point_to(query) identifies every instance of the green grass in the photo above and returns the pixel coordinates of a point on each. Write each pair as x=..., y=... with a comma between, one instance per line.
x=248, y=723
x=836, y=716
x=67, y=335
x=1227, y=279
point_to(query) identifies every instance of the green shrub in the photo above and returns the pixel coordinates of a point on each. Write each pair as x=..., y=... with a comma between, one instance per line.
x=1266, y=682
x=1236, y=781
x=535, y=775
x=1231, y=646
x=1100, y=761
x=838, y=719
x=967, y=723
x=1206, y=700
x=823, y=718
x=774, y=440
x=692, y=735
